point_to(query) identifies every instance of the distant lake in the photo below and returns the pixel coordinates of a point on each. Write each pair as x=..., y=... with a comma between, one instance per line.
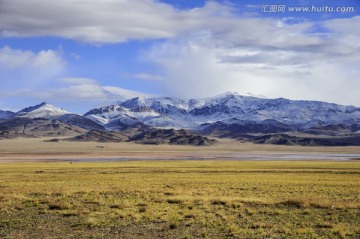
x=232, y=156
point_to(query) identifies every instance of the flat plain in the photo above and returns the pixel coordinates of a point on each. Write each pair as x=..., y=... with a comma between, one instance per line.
x=46, y=193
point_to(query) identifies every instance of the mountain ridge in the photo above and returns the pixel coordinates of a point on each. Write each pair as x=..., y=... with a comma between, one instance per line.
x=4, y=114
x=228, y=108
x=229, y=115
x=45, y=110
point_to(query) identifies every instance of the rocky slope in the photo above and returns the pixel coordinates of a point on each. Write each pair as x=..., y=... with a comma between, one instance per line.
x=39, y=127
x=150, y=136
x=284, y=139
x=100, y=136
x=171, y=136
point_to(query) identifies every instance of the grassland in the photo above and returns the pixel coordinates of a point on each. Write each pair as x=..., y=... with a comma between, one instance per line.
x=180, y=199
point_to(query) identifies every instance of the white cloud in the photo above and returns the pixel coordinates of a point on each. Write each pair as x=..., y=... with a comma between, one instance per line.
x=75, y=55
x=36, y=76
x=96, y=21
x=107, y=21
x=78, y=81
x=20, y=68
x=272, y=58
x=15, y=59
x=145, y=76
x=121, y=94
x=77, y=89
x=75, y=92
x=344, y=25
x=208, y=50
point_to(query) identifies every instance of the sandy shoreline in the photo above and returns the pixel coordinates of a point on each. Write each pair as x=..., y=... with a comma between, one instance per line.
x=38, y=150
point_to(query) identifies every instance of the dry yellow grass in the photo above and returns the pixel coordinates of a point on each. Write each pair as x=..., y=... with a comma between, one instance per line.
x=174, y=198
x=180, y=199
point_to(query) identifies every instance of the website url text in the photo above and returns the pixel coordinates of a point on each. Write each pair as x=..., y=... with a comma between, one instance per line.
x=313, y=8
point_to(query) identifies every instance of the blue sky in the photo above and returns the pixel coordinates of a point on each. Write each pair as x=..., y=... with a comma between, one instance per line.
x=83, y=54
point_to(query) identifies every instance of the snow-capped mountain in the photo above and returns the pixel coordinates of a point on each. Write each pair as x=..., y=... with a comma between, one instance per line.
x=112, y=113
x=224, y=114
x=43, y=110
x=6, y=114
x=48, y=111
x=226, y=109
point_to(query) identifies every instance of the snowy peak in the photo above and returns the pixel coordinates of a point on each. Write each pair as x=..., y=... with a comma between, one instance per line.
x=228, y=103
x=106, y=114
x=137, y=104
x=227, y=108
x=50, y=112
x=229, y=111
x=161, y=105
x=43, y=110
x=111, y=109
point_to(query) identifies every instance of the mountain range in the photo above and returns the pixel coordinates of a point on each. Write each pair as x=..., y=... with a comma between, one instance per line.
x=226, y=115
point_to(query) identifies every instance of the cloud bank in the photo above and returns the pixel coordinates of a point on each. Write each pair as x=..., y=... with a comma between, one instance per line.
x=22, y=68
x=98, y=21
x=202, y=51
x=267, y=57
x=39, y=76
